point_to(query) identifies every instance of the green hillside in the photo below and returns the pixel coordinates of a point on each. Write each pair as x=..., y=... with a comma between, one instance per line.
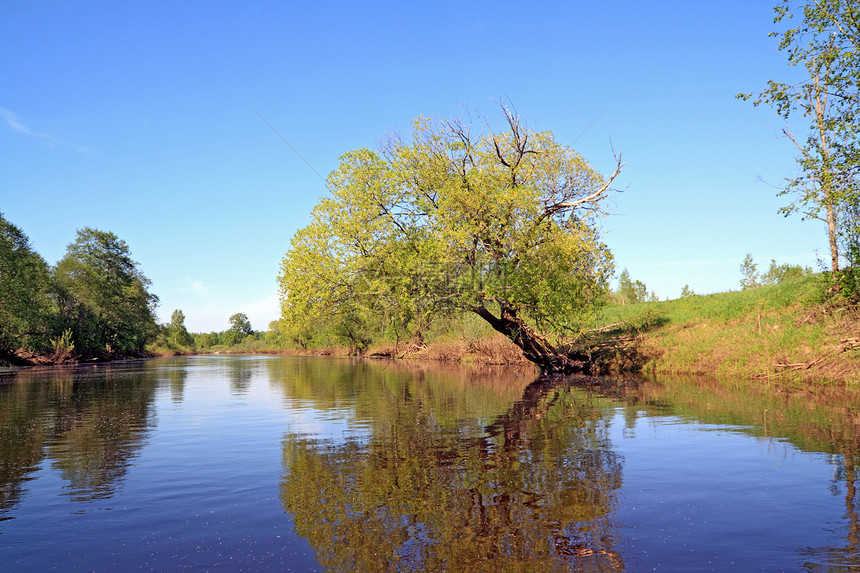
x=781, y=331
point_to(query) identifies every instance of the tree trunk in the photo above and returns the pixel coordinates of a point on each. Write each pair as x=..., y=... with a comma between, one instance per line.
x=831, y=235
x=535, y=348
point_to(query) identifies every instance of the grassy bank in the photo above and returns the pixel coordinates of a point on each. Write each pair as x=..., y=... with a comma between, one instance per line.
x=783, y=331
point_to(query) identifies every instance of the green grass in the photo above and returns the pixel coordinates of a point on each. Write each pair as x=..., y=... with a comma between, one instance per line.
x=724, y=306
x=751, y=333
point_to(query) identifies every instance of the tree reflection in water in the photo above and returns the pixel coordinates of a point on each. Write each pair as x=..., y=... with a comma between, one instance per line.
x=533, y=490
x=847, y=556
x=88, y=422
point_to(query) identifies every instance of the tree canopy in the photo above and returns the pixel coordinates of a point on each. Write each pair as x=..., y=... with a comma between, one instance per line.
x=240, y=324
x=176, y=331
x=240, y=327
x=25, y=286
x=103, y=295
x=777, y=273
x=455, y=218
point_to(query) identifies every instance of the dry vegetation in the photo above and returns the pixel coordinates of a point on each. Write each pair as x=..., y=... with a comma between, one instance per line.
x=492, y=349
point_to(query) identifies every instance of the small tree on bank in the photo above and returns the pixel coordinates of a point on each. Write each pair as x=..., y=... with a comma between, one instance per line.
x=749, y=273
x=632, y=291
x=449, y=220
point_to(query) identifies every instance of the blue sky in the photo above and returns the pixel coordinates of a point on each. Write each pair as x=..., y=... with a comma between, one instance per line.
x=141, y=118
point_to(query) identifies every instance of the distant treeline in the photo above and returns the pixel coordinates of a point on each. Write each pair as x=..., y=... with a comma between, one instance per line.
x=175, y=338
x=94, y=303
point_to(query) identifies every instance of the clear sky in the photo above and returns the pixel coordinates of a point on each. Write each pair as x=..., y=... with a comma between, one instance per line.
x=141, y=118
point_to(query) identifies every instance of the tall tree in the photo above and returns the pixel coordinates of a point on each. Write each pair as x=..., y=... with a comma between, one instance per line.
x=500, y=224
x=824, y=44
x=25, y=303
x=240, y=324
x=176, y=330
x=104, y=296
x=240, y=327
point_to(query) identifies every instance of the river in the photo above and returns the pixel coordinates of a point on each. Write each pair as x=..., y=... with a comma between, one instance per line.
x=263, y=463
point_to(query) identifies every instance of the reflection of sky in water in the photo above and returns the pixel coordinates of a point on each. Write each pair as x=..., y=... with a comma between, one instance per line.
x=330, y=425
x=697, y=493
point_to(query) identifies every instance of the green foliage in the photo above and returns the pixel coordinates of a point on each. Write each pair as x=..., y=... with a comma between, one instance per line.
x=725, y=306
x=95, y=302
x=847, y=281
x=776, y=274
x=174, y=336
x=841, y=287
x=280, y=335
x=204, y=339
x=630, y=291
x=62, y=347
x=849, y=217
x=103, y=296
x=240, y=327
x=177, y=332
x=240, y=337
x=240, y=324
x=824, y=43
x=445, y=221
x=25, y=287
x=749, y=273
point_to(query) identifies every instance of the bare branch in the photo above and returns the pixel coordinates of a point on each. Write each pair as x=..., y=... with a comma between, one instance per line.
x=499, y=154
x=597, y=195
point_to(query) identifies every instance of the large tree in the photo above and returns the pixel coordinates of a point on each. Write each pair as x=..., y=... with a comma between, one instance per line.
x=824, y=45
x=25, y=303
x=104, y=297
x=240, y=327
x=454, y=218
x=240, y=324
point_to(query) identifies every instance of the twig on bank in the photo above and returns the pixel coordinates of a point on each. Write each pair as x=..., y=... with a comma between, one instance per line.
x=844, y=346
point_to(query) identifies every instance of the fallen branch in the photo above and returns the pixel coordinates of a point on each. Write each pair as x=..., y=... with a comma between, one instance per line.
x=606, y=328
x=844, y=346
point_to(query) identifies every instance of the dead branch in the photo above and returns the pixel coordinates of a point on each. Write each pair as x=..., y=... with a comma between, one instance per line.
x=843, y=346
x=551, y=210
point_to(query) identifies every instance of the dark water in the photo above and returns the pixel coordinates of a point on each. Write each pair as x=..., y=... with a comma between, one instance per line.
x=303, y=464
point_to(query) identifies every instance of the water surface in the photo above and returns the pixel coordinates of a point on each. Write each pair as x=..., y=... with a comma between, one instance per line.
x=252, y=463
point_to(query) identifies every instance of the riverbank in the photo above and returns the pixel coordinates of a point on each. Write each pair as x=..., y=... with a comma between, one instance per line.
x=782, y=332
x=786, y=332
x=776, y=332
